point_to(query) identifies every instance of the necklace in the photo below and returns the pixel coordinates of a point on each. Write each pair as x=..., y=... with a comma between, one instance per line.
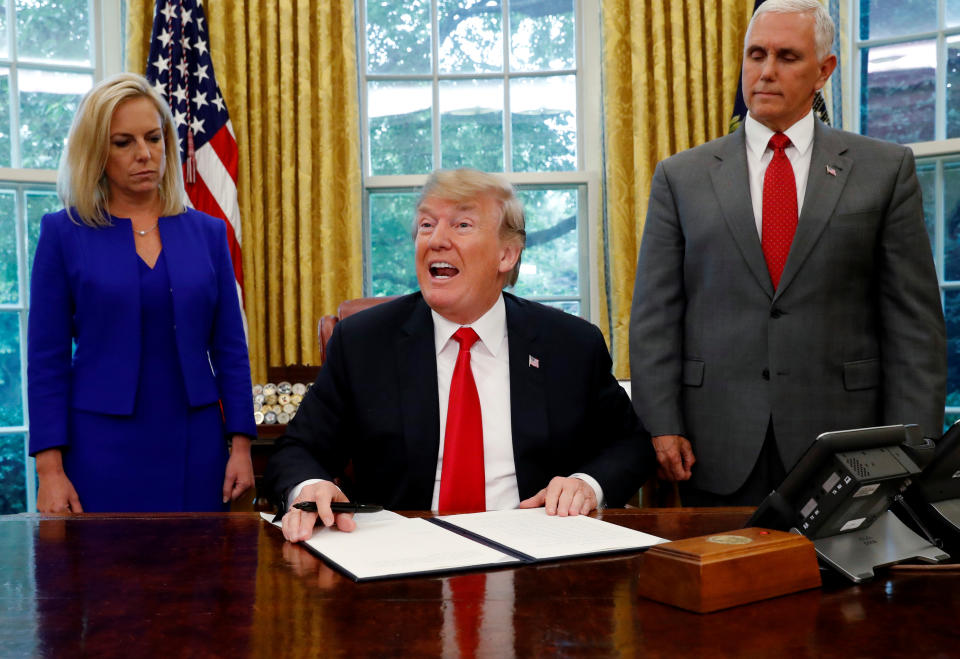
x=146, y=231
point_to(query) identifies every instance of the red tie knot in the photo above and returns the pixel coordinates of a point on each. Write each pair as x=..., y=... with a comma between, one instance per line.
x=779, y=142
x=466, y=337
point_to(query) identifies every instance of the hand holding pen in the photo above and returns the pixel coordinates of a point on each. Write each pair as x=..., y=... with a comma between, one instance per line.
x=298, y=524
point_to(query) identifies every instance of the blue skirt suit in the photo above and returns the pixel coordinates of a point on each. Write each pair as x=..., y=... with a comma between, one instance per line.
x=137, y=374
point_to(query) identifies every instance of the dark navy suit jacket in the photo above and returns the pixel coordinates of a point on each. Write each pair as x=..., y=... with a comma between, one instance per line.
x=375, y=402
x=85, y=291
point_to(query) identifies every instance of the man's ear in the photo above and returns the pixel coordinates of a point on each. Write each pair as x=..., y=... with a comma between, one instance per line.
x=509, y=255
x=826, y=68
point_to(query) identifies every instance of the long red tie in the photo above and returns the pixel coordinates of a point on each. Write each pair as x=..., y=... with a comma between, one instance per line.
x=462, y=480
x=779, y=208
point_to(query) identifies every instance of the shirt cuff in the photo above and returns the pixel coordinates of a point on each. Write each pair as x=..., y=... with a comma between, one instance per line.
x=597, y=490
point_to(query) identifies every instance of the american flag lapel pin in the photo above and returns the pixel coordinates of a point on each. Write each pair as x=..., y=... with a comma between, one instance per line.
x=533, y=361
x=831, y=171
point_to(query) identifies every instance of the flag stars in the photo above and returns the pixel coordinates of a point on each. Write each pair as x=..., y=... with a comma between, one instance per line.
x=200, y=99
x=159, y=88
x=186, y=16
x=182, y=68
x=161, y=63
x=196, y=125
x=201, y=46
x=218, y=101
x=202, y=73
x=165, y=37
x=169, y=11
x=181, y=94
x=180, y=118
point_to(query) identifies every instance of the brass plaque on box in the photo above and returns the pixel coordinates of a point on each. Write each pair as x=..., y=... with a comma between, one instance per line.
x=717, y=571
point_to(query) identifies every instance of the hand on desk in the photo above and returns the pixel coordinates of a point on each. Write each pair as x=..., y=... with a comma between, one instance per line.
x=563, y=497
x=55, y=493
x=298, y=524
x=675, y=457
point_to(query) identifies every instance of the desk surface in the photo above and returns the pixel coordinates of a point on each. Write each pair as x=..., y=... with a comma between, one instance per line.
x=227, y=585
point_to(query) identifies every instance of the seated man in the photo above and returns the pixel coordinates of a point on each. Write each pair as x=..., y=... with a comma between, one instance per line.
x=462, y=397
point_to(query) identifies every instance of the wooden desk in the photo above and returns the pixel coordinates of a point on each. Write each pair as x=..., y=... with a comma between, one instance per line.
x=227, y=585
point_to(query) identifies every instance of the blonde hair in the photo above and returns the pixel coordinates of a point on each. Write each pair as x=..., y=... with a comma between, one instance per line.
x=460, y=185
x=81, y=182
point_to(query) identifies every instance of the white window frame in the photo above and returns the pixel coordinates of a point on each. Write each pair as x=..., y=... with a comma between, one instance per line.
x=107, y=30
x=940, y=147
x=589, y=146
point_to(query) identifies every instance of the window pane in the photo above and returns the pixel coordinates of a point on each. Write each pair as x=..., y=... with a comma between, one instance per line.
x=471, y=124
x=927, y=173
x=953, y=13
x=5, y=157
x=11, y=403
x=880, y=19
x=951, y=312
x=551, y=259
x=543, y=118
x=39, y=203
x=898, y=88
x=470, y=35
x=951, y=215
x=54, y=30
x=398, y=36
x=399, y=118
x=8, y=247
x=391, y=242
x=4, y=51
x=541, y=35
x=48, y=101
x=953, y=87
x=13, y=484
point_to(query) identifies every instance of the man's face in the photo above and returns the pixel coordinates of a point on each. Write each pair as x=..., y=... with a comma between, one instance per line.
x=461, y=261
x=781, y=72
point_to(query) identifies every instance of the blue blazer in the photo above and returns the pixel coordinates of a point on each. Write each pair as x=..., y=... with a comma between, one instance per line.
x=85, y=292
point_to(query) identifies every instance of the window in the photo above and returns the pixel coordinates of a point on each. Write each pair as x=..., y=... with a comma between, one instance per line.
x=50, y=54
x=906, y=68
x=508, y=86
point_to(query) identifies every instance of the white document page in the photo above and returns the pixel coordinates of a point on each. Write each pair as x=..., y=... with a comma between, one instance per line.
x=533, y=532
x=387, y=544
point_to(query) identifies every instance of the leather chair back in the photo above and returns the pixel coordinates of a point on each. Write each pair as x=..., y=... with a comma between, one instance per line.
x=346, y=308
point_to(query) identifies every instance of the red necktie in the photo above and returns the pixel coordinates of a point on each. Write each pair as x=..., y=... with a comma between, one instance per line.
x=779, y=221
x=462, y=480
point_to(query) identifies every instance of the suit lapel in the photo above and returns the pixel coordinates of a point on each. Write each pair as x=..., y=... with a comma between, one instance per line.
x=528, y=400
x=828, y=175
x=729, y=173
x=417, y=372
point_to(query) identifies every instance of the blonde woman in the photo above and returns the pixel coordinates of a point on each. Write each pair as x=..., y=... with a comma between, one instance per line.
x=138, y=370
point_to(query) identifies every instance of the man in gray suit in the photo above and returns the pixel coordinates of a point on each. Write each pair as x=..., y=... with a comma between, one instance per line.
x=779, y=298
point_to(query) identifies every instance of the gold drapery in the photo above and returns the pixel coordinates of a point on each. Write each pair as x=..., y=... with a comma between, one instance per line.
x=287, y=71
x=670, y=71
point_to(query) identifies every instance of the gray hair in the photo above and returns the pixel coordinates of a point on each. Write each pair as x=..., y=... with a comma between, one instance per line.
x=823, y=28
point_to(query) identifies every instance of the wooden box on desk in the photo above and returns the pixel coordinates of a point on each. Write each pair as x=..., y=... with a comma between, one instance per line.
x=721, y=570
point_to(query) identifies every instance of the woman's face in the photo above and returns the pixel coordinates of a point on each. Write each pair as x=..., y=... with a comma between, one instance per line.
x=136, y=157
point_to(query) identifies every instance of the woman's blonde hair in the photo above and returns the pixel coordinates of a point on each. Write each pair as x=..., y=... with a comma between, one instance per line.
x=82, y=183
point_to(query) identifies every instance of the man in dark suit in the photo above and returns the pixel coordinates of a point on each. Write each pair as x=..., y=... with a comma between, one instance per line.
x=557, y=429
x=779, y=298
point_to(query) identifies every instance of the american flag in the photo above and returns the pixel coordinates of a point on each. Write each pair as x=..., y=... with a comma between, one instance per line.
x=180, y=69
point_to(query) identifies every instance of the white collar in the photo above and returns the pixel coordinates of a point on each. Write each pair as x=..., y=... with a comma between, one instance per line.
x=758, y=135
x=491, y=327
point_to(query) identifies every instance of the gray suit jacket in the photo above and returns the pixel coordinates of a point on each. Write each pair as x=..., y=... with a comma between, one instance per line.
x=853, y=337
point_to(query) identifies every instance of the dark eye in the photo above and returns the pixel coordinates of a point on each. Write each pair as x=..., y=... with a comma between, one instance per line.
x=155, y=138
x=121, y=143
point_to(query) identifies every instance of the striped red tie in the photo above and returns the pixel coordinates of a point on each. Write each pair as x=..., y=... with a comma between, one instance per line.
x=779, y=221
x=462, y=479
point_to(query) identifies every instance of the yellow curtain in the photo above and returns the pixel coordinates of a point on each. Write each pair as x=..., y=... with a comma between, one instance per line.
x=287, y=70
x=670, y=70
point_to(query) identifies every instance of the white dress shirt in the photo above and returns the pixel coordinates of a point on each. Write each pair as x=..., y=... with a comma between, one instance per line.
x=759, y=156
x=490, y=363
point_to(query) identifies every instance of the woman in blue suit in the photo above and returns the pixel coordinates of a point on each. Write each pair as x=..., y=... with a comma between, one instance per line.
x=138, y=371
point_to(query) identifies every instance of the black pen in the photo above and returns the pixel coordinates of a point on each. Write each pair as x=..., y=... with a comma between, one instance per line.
x=340, y=507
